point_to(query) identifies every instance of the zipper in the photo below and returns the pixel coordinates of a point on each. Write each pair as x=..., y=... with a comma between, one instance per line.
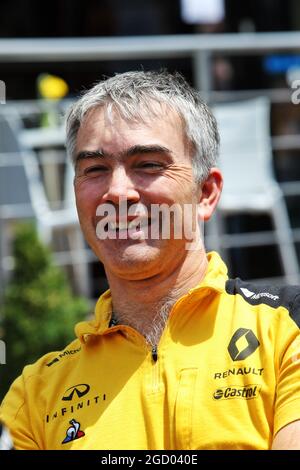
x=154, y=354
x=155, y=370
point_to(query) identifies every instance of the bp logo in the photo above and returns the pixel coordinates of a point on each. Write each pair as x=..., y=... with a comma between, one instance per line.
x=242, y=344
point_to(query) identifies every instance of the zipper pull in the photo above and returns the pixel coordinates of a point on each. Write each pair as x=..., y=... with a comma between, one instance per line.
x=154, y=354
x=113, y=321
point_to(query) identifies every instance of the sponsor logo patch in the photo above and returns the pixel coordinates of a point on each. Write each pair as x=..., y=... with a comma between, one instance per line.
x=247, y=392
x=77, y=390
x=67, y=352
x=73, y=432
x=238, y=371
x=251, y=295
x=242, y=344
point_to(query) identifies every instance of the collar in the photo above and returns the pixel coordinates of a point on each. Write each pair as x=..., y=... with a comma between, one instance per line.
x=216, y=274
x=214, y=280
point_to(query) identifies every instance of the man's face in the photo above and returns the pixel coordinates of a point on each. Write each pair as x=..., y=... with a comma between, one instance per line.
x=140, y=163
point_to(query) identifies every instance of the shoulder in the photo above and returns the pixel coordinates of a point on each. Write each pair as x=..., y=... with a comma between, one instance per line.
x=50, y=368
x=61, y=358
x=279, y=298
x=56, y=363
x=25, y=401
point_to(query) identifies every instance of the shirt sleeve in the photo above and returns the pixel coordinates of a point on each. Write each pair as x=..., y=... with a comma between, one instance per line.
x=14, y=414
x=287, y=404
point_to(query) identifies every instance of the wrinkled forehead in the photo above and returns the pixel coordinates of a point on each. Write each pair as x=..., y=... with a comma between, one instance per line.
x=136, y=113
x=107, y=130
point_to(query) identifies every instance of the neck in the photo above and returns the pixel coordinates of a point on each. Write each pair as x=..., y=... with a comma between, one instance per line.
x=145, y=304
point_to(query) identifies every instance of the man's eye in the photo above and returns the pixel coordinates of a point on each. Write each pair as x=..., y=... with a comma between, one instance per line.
x=151, y=165
x=95, y=170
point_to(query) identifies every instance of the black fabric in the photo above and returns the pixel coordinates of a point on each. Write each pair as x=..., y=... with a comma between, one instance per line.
x=273, y=296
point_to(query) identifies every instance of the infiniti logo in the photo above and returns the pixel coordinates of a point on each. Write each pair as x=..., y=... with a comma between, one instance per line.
x=80, y=390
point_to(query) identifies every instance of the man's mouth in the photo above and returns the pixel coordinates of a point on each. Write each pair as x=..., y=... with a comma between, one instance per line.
x=127, y=225
x=128, y=228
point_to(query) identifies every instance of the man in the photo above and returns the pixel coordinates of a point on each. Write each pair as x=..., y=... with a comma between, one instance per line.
x=178, y=355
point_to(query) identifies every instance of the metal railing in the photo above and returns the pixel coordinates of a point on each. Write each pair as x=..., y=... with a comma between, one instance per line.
x=199, y=47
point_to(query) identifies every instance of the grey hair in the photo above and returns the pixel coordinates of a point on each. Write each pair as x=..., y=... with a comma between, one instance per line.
x=133, y=95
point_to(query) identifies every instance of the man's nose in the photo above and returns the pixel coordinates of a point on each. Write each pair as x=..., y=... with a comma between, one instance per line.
x=120, y=187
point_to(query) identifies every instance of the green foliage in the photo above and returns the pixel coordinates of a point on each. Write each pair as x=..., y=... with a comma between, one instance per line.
x=39, y=310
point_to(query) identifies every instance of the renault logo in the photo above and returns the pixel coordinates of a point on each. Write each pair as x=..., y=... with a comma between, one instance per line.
x=242, y=344
x=80, y=390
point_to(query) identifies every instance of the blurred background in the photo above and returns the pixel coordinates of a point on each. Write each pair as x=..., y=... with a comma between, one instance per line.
x=244, y=57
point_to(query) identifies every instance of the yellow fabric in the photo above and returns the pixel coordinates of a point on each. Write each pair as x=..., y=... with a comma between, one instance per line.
x=195, y=396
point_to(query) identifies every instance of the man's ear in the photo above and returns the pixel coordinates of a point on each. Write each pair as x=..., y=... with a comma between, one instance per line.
x=210, y=194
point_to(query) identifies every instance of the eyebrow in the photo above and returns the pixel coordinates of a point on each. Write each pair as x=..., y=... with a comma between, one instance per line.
x=130, y=152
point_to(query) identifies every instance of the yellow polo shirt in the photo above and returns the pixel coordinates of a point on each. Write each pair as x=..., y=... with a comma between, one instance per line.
x=225, y=375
